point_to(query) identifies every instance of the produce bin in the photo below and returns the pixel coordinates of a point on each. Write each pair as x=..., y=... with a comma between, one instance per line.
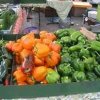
x=7, y=19
x=40, y=90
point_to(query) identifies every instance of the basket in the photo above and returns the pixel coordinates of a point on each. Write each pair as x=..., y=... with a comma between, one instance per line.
x=30, y=29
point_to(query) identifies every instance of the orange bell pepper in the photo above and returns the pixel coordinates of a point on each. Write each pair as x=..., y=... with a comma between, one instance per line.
x=44, y=82
x=39, y=73
x=19, y=75
x=52, y=59
x=28, y=41
x=18, y=59
x=24, y=53
x=30, y=80
x=17, y=47
x=43, y=34
x=9, y=45
x=47, y=41
x=55, y=47
x=51, y=36
x=41, y=50
x=38, y=61
x=21, y=83
x=37, y=40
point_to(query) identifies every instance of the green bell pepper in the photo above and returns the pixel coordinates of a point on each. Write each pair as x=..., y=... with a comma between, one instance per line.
x=89, y=60
x=78, y=65
x=97, y=70
x=64, y=69
x=74, y=36
x=74, y=55
x=65, y=79
x=66, y=39
x=61, y=33
x=95, y=45
x=65, y=58
x=89, y=63
x=81, y=39
x=79, y=76
x=75, y=47
x=84, y=52
x=64, y=50
x=91, y=76
x=52, y=77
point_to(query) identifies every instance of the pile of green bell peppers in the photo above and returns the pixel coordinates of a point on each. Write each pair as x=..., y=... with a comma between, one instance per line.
x=80, y=57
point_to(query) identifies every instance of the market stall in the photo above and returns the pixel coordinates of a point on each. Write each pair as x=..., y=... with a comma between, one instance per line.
x=81, y=81
x=61, y=62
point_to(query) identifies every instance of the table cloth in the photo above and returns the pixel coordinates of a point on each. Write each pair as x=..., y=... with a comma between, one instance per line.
x=62, y=7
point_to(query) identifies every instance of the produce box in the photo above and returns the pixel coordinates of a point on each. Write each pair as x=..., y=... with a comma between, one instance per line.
x=7, y=20
x=45, y=90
